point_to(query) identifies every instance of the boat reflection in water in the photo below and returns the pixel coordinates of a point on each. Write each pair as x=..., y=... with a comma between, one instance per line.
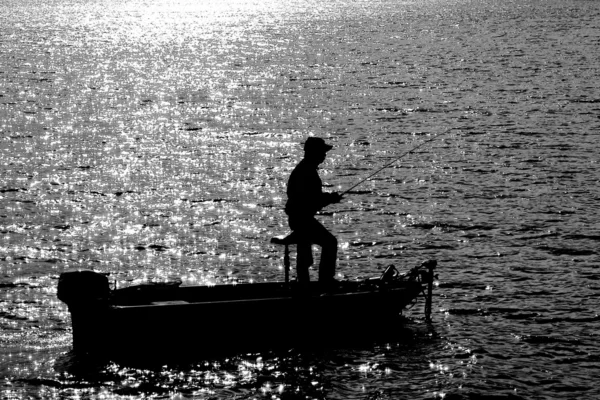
x=169, y=319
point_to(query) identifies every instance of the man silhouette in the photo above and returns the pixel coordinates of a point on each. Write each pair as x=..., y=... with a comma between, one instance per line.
x=305, y=198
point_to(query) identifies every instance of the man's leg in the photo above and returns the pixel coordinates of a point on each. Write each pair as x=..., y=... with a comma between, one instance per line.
x=329, y=244
x=304, y=258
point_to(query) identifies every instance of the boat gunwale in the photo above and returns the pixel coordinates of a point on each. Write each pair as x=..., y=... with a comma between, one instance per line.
x=298, y=296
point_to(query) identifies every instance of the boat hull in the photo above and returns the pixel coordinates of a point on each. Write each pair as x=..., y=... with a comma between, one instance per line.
x=174, y=320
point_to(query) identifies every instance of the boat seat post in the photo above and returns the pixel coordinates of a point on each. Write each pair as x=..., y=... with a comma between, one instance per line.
x=286, y=241
x=286, y=263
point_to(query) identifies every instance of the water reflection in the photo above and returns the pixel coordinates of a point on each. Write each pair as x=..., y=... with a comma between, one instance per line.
x=305, y=373
x=152, y=139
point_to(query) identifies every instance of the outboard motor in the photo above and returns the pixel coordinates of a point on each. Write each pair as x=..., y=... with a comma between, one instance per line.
x=78, y=288
x=87, y=294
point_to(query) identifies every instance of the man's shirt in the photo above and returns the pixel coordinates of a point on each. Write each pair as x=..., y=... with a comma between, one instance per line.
x=305, y=191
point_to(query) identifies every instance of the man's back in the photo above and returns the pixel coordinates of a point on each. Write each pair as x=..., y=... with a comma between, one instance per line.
x=304, y=190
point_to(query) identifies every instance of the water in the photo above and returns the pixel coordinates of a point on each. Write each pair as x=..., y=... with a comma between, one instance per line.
x=153, y=139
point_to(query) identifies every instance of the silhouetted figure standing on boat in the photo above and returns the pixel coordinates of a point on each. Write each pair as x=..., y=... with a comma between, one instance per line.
x=305, y=198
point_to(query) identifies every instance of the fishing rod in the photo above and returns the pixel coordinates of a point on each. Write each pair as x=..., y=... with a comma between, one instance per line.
x=393, y=161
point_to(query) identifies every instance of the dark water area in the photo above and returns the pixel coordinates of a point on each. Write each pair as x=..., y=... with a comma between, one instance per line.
x=151, y=140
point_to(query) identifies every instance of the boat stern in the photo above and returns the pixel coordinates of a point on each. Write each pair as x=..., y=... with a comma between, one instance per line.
x=87, y=294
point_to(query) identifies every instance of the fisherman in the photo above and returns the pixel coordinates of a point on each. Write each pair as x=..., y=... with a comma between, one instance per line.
x=305, y=198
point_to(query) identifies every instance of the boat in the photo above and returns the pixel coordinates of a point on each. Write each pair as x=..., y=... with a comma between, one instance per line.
x=170, y=318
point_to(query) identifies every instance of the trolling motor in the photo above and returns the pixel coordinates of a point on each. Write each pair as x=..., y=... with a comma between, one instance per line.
x=422, y=273
x=429, y=277
x=425, y=276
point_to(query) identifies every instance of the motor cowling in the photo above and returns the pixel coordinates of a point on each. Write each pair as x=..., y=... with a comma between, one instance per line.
x=83, y=287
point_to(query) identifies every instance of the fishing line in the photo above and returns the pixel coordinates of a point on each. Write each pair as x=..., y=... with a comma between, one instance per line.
x=393, y=161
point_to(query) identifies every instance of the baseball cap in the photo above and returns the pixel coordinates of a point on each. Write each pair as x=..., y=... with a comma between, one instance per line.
x=316, y=144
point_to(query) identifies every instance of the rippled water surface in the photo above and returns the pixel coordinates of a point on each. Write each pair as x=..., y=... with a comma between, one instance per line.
x=153, y=139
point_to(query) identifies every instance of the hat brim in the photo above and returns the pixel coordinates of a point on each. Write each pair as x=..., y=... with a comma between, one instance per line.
x=316, y=144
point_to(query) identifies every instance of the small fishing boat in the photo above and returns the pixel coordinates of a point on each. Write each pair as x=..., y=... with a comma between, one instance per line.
x=169, y=318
